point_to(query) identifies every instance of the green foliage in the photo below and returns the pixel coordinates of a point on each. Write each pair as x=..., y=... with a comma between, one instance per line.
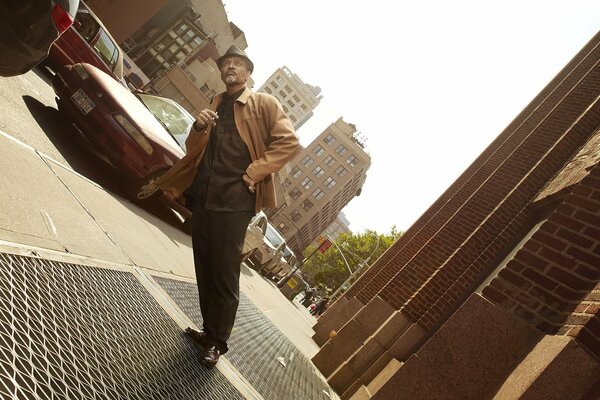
x=329, y=270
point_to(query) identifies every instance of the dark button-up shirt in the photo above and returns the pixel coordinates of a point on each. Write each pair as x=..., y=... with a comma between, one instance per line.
x=218, y=184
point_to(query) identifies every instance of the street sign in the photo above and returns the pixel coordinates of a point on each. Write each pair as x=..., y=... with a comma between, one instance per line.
x=292, y=283
x=325, y=245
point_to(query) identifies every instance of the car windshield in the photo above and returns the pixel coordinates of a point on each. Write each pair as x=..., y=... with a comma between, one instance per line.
x=174, y=118
x=273, y=236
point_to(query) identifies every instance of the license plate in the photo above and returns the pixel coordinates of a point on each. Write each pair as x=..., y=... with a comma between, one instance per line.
x=82, y=101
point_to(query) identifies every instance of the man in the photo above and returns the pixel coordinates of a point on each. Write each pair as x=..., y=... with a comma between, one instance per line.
x=225, y=178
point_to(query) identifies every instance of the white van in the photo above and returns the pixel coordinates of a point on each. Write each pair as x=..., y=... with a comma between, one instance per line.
x=286, y=262
x=271, y=249
x=255, y=235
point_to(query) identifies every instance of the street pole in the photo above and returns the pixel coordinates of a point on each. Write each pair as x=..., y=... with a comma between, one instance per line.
x=342, y=254
x=362, y=264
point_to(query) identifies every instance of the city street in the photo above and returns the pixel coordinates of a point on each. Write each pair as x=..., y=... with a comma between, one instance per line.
x=98, y=291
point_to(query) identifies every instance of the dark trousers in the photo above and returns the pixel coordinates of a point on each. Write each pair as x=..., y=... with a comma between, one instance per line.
x=218, y=241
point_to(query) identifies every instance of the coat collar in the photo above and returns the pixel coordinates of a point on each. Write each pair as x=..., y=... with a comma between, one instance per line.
x=242, y=99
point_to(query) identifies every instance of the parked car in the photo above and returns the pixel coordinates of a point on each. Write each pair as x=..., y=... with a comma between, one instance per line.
x=254, y=235
x=27, y=30
x=281, y=265
x=271, y=248
x=270, y=267
x=87, y=41
x=140, y=134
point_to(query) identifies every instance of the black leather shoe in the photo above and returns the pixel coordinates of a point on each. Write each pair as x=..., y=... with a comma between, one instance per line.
x=200, y=337
x=210, y=356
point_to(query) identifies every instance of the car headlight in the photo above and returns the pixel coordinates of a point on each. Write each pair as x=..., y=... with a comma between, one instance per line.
x=81, y=71
x=134, y=133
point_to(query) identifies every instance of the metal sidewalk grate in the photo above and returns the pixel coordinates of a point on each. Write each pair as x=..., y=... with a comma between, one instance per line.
x=69, y=331
x=254, y=347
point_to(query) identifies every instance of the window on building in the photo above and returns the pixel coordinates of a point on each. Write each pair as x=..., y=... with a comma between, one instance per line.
x=275, y=86
x=285, y=109
x=290, y=103
x=352, y=160
x=318, y=193
x=296, y=98
x=181, y=28
x=306, y=204
x=295, y=216
x=287, y=182
x=206, y=91
x=341, y=171
x=288, y=89
x=318, y=172
x=329, y=183
x=296, y=172
x=295, y=193
x=319, y=150
x=293, y=118
x=283, y=228
x=282, y=94
x=268, y=90
x=303, y=107
x=341, y=150
x=306, y=182
x=306, y=161
x=329, y=139
x=329, y=160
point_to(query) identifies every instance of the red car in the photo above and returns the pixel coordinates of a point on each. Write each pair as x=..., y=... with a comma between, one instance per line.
x=140, y=134
x=87, y=41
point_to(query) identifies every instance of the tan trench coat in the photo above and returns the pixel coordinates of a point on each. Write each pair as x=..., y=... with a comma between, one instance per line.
x=266, y=131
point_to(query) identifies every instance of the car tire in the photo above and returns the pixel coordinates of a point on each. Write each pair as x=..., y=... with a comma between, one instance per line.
x=249, y=254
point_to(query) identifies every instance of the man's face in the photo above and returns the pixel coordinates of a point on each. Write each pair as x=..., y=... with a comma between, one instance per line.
x=234, y=71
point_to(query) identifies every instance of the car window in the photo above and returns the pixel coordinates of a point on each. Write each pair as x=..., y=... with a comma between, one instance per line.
x=173, y=117
x=273, y=236
x=107, y=49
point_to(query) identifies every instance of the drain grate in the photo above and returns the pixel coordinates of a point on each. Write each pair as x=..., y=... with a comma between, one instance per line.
x=254, y=345
x=69, y=331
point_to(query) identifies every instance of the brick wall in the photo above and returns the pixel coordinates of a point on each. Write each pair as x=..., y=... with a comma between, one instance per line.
x=424, y=234
x=483, y=229
x=553, y=281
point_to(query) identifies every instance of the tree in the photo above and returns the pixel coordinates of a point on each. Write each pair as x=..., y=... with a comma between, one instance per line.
x=329, y=270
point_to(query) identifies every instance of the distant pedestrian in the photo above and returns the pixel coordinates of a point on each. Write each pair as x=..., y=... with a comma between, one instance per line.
x=234, y=149
x=308, y=295
x=321, y=306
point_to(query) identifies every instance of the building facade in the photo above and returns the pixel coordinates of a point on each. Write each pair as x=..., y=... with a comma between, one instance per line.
x=494, y=292
x=297, y=98
x=319, y=182
x=339, y=225
x=116, y=15
x=177, y=51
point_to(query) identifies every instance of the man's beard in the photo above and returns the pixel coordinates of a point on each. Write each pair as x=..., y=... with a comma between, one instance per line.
x=231, y=80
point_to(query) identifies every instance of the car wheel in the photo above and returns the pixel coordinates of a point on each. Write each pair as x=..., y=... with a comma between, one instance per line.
x=246, y=257
x=254, y=260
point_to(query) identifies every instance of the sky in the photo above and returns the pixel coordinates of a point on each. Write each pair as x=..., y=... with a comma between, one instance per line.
x=429, y=83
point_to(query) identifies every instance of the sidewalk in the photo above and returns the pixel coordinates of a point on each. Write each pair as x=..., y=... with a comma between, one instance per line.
x=96, y=293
